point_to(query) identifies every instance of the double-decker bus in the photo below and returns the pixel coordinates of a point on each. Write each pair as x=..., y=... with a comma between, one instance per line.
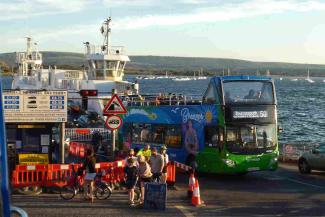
x=233, y=129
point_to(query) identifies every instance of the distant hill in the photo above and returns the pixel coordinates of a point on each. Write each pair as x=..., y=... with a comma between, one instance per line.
x=181, y=65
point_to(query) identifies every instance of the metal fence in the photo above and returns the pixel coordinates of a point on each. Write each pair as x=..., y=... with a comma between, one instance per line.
x=86, y=134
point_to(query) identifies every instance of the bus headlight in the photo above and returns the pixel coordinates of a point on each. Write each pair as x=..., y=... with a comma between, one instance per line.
x=229, y=162
x=273, y=161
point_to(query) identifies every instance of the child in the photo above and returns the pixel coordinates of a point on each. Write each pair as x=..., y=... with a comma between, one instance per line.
x=131, y=173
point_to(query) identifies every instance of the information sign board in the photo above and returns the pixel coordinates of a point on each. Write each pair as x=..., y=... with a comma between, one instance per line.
x=35, y=106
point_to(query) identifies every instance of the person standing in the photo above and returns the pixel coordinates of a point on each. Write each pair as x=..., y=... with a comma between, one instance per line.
x=131, y=173
x=132, y=156
x=146, y=152
x=144, y=174
x=89, y=166
x=157, y=165
x=164, y=154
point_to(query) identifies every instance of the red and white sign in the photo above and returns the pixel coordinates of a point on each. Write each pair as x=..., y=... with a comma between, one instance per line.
x=114, y=106
x=113, y=122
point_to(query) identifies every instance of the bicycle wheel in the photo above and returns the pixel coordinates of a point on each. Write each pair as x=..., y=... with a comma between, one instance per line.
x=68, y=192
x=102, y=192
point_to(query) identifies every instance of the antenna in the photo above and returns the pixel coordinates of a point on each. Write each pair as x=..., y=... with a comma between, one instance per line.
x=106, y=31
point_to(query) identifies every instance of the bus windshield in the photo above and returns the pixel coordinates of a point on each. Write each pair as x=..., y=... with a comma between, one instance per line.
x=245, y=92
x=251, y=139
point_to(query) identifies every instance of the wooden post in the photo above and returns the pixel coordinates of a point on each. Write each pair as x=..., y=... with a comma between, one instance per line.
x=62, y=141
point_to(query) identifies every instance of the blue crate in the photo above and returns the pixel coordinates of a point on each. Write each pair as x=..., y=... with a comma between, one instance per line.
x=155, y=196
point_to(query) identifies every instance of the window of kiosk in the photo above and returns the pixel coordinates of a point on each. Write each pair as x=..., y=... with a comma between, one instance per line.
x=31, y=140
x=11, y=135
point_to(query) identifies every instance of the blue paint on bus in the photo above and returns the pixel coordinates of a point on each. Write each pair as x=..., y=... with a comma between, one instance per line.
x=174, y=122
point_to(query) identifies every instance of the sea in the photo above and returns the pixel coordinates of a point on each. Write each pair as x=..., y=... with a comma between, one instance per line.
x=301, y=104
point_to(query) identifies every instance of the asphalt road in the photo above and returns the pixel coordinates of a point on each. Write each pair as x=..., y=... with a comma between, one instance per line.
x=281, y=193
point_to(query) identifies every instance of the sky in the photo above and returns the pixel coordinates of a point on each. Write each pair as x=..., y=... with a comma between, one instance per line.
x=257, y=30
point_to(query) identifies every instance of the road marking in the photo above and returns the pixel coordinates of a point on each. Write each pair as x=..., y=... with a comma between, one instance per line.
x=299, y=182
x=184, y=211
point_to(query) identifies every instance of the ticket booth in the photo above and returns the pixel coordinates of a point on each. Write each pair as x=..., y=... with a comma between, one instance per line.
x=34, y=123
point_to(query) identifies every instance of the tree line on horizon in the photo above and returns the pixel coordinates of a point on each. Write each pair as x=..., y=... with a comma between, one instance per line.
x=158, y=65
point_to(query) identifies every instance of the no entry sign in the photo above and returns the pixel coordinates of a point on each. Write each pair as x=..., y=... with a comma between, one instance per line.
x=113, y=122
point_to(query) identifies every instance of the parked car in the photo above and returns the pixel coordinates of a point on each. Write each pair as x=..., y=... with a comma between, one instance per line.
x=313, y=160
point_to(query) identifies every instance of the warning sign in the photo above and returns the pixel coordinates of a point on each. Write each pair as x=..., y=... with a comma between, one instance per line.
x=114, y=106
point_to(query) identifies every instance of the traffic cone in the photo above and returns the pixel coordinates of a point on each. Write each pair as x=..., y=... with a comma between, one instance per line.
x=196, y=200
x=191, y=183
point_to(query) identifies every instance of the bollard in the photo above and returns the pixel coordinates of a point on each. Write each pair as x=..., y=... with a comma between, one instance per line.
x=191, y=184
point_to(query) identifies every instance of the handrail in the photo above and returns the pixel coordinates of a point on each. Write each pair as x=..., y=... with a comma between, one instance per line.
x=5, y=195
x=21, y=212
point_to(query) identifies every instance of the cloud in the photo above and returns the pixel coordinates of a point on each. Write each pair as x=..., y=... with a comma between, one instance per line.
x=22, y=9
x=128, y=3
x=229, y=11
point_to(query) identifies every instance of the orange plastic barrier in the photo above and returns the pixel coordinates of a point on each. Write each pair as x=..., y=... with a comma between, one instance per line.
x=171, y=173
x=78, y=149
x=58, y=174
x=33, y=175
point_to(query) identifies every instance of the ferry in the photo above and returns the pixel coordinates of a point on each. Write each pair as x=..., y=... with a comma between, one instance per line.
x=232, y=129
x=103, y=73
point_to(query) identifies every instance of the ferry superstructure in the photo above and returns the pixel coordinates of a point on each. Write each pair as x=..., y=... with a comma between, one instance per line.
x=104, y=71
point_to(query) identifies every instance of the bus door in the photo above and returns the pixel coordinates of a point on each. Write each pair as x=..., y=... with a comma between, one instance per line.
x=209, y=159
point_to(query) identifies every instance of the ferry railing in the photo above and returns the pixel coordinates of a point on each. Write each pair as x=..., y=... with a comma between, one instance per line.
x=86, y=134
x=158, y=99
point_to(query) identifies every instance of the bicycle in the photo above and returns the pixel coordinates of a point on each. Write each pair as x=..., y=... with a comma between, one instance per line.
x=102, y=190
